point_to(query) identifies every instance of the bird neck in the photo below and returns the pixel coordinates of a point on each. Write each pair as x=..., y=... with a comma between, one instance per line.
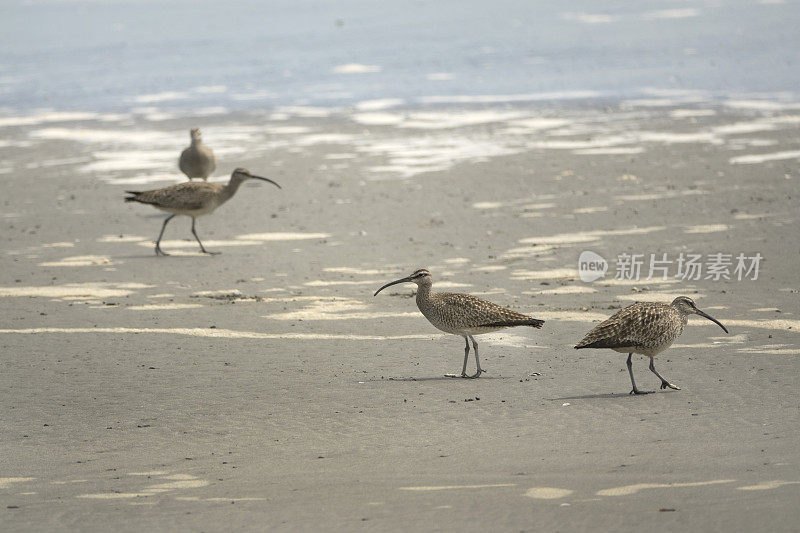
x=423, y=293
x=230, y=189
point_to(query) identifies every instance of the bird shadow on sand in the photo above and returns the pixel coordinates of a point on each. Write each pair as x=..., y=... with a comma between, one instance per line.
x=608, y=395
x=438, y=378
x=175, y=255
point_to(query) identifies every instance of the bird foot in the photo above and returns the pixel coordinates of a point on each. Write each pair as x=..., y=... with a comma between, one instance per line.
x=210, y=253
x=465, y=375
x=637, y=391
x=665, y=384
x=159, y=252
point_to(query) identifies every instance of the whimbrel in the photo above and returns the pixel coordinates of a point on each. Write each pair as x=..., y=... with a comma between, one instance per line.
x=462, y=314
x=646, y=328
x=193, y=199
x=197, y=161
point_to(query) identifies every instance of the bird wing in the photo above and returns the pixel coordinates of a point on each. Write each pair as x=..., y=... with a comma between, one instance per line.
x=183, y=162
x=476, y=312
x=187, y=196
x=637, y=325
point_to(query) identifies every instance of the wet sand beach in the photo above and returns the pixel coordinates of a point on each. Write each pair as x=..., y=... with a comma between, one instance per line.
x=265, y=388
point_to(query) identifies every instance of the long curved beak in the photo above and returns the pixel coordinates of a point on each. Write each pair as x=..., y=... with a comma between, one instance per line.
x=712, y=319
x=404, y=280
x=265, y=179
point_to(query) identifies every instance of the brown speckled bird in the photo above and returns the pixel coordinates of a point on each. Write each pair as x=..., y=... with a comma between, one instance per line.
x=462, y=314
x=646, y=328
x=193, y=199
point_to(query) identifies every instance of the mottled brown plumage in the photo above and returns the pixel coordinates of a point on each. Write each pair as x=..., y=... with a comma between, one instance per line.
x=646, y=328
x=462, y=314
x=192, y=198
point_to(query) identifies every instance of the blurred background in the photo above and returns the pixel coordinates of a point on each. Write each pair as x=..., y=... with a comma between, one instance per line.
x=120, y=54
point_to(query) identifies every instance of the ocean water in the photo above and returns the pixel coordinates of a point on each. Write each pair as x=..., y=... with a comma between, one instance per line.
x=117, y=55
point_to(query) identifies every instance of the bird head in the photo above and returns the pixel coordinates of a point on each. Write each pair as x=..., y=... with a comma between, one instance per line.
x=421, y=277
x=195, y=134
x=686, y=306
x=241, y=174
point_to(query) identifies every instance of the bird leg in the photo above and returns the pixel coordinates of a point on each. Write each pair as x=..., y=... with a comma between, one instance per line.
x=464, y=369
x=158, y=241
x=202, y=248
x=664, y=382
x=630, y=371
x=477, y=361
x=466, y=356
